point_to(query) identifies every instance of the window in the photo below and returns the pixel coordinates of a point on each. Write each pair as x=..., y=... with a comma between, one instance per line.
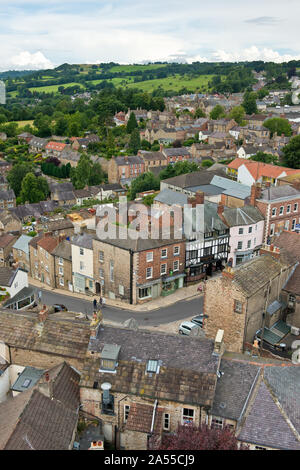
x=295, y=207
x=164, y=253
x=148, y=273
x=187, y=415
x=166, y=422
x=240, y=245
x=48, y=280
x=81, y=267
x=176, y=250
x=121, y=290
x=288, y=209
x=241, y=231
x=163, y=269
x=176, y=266
x=281, y=210
x=260, y=448
x=150, y=256
x=101, y=256
x=238, y=306
x=35, y=253
x=111, y=271
x=144, y=292
x=61, y=281
x=293, y=224
x=152, y=366
x=272, y=229
x=217, y=423
x=274, y=212
x=286, y=225
x=250, y=230
x=101, y=273
x=126, y=412
x=249, y=244
x=61, y=261
x=46, y=254
x=26, y=383
x=81, y=251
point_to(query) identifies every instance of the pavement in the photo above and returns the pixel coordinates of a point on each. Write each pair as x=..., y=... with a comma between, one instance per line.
x=184, y=293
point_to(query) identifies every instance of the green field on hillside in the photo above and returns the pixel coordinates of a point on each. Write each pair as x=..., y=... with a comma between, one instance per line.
x=54, y=88
x=135, y=68
x=174, y=83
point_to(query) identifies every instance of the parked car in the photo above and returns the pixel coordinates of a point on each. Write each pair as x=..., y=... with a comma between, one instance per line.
x=60, y=308
x=186, y=327
x=198, y=319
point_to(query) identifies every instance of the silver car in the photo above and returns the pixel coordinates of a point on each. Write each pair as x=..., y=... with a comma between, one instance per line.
x=186, y=327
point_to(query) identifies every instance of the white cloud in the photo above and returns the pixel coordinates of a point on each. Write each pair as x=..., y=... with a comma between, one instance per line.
x=253, y=53
x=27, y=61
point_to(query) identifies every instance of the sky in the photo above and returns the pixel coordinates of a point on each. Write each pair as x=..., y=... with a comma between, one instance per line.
x=37, y=34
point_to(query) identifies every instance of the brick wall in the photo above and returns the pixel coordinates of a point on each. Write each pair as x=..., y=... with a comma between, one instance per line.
x=278, y=220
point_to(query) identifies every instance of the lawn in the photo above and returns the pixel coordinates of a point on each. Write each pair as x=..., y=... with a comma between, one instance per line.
x=174, y=83
x=53, y=88
x=24, y=123
x=135, y=68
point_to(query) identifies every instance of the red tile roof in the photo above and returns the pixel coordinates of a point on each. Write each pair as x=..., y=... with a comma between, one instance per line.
x=140, y=418
x=55, y=146
x=259, y=169
x=48, y=243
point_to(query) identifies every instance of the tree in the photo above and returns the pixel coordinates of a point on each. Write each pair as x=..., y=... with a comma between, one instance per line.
x=291, y=153
x=16, y=175
x=199, y=113
x=217, y=112
x=206, y=163
x=144, y=182
x=135, y=141
x=238, y=113
x=34, y=189
x=81, y=174
x=249, y=103
x=265, y=158
x=131, y=124
x=278, y=125
x=190, y=437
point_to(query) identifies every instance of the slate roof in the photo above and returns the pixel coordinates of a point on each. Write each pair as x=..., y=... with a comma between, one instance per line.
x=152, y=156
x=231, y=188
x=140, y=418
x=195, y=178
x=293, y=284
x=7, y=194
x=191, y=381
x=29, y=373
x=265, y=425
x=84, y=240
x=233, y=388
x=176, y=152
x=130, y=160
x=59, y=224
x=23, y=244
x=254, y=274
x=22, y=330
x=63, y=250
x=167, y=196
x=279, y=193
x=246, y=215
x=7, y=276
x=284, y=383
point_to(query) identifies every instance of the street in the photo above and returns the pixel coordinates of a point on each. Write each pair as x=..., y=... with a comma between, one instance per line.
x=179, y=310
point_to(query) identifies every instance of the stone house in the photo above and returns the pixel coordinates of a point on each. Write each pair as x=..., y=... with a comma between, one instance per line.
x=5, y=167
x=7, y=241
x=9, y=222
x=153, y=159
x=221, y=125
x=43, y=416
x=250, y=290
x=132, y=380
x=125, y=168
x=43, y=341
x=37, y=145
x=41, y=259
x=69, y=156
x=178, y=154
x=289, y=241
x=63, y=274
x=54, y=149
x=7, y=199
x=20, y=252
x=138, y=270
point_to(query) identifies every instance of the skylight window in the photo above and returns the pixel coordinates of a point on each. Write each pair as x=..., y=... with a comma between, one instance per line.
x=26, y=383
x=152, y=366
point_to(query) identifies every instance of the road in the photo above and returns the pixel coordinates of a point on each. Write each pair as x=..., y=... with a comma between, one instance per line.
x=179, y=310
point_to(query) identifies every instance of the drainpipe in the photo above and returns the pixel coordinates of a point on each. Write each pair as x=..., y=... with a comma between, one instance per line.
x=153, y=416
x=131, y=277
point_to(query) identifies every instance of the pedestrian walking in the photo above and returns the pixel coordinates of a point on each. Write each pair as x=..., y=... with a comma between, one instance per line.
x=95, y=304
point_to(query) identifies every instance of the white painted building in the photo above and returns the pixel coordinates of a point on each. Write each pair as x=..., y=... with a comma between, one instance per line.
x=82, y=263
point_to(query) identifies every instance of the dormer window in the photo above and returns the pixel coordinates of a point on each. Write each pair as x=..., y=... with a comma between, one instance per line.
x=109, y=358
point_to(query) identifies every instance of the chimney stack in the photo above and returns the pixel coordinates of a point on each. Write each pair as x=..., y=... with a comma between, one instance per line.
x=43, y=314
x=220, y=209
x=255, y=194
x=219, y=344
x=199, y=197
x=161, y=147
